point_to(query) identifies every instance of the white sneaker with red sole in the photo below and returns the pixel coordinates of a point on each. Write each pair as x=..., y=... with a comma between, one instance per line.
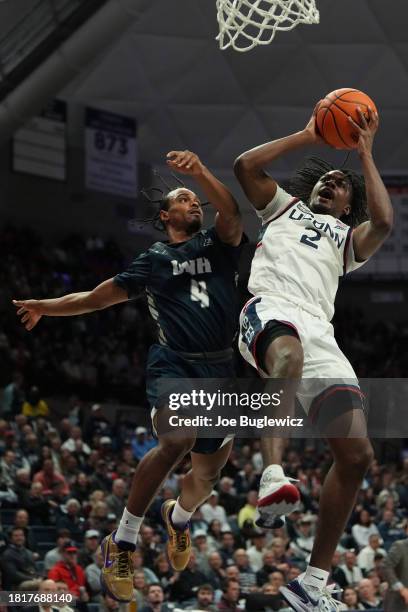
x=277, y=493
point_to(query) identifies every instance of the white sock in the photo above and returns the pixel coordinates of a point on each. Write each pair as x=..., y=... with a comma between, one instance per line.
x=273, y=472
x=315, y=577
x=128, y=527
x=179, y=516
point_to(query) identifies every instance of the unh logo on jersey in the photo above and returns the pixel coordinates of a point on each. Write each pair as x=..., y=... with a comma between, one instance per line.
x=201, y=265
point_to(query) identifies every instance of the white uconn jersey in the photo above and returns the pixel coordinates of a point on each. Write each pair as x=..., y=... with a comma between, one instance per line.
x=300, y=255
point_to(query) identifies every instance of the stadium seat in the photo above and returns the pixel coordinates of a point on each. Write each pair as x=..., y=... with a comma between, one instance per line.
x=7, y=516
x=44, y=534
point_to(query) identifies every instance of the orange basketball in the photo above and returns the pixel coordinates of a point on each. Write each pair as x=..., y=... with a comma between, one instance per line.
x=332, y=116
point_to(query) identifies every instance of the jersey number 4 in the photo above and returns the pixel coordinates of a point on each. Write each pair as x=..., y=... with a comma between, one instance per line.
x=199, y=293
x=311, y=240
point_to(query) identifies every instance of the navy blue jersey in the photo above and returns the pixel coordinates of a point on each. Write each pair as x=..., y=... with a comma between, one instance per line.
x=191, y=291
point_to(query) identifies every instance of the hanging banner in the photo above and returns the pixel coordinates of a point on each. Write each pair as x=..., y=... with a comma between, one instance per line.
x=111, y=153
x=39, y=147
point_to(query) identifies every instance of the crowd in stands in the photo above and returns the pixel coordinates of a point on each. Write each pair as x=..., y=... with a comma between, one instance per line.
x=63, y=488
x=64, y=481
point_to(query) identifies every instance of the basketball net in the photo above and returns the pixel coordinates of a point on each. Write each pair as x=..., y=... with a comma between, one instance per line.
x=244, y=24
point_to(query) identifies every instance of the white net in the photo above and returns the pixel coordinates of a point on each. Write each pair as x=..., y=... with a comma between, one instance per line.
x=244, y=24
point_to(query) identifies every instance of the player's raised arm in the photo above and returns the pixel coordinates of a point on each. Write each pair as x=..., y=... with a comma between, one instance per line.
x=106, y=294
x=369, y=236
x=249, y=167
x=228, y=222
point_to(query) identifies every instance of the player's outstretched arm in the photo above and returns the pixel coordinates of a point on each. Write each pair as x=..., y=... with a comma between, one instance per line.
x=369, y=236
x=104, y=295
x=249, y=167
x=228, y=220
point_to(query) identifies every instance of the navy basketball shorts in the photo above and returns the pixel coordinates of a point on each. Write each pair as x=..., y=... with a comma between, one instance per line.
x=165, y=363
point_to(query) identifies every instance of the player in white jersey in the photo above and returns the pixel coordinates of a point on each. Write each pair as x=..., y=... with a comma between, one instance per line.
x=309, y=239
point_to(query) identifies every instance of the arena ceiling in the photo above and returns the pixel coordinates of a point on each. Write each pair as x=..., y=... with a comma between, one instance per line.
x=168, y=72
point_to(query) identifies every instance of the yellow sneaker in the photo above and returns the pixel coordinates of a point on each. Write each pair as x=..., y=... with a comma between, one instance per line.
x=117, y=570
x=179, y=542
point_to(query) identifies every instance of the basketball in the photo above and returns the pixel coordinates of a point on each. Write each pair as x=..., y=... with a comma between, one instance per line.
x=332, y=116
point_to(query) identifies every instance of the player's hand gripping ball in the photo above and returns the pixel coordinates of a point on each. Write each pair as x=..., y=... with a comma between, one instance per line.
x=332, y=116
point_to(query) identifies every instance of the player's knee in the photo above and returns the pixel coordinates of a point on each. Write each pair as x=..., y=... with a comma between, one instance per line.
x=175, y=447
x=208, y=474
x=358, y=460
x=286, y=362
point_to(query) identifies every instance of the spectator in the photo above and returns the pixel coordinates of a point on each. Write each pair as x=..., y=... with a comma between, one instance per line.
x=337, y=574
x=228, y=497
x=34, y=406
x=212, y=510
x=13, y=395
x=116, y=501
x=140, y=588
x=155, y=599
x=164, y=572
x=71, y=519
x=81, y=487
x=350, y=600
x=67, y=570
x=256, y=551
x=56, y=554
x=8, y=469
x=247, y=577
x=148, y=546
x=18, y=564
x=279, y=550
x=62, y=590
x=21, y=519
x=36, y=504
x=350, y=569
x=49, y=477
x=46, y=587
x=366, y=555
x=205, y=599
x=367, y=597
x=201, y=550
x=75, y=444
x=100, y=479
x=186, y=586
x=93, y=576
x=138, y=564
x=362, y=530
x=230, y=597
x=22, y=484
x=98, y=517
x=267, y=568
x=388, y=529
x=396, y=572
x=141, y=443
x=216, y=574
x=87, y=554
x=97, y=424
x=248, y=512
x=214, y=535
x=227, y=545
x=303, y=544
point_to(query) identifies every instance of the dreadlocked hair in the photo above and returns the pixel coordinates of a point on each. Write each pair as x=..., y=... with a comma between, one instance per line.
x=312, y=169
x=161, y=199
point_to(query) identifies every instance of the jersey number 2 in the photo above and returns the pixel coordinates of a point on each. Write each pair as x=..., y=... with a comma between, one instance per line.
x=310, y=240
x=199, y=293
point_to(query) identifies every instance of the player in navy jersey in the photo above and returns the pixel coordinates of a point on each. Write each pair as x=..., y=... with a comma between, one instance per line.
x=190, y=282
